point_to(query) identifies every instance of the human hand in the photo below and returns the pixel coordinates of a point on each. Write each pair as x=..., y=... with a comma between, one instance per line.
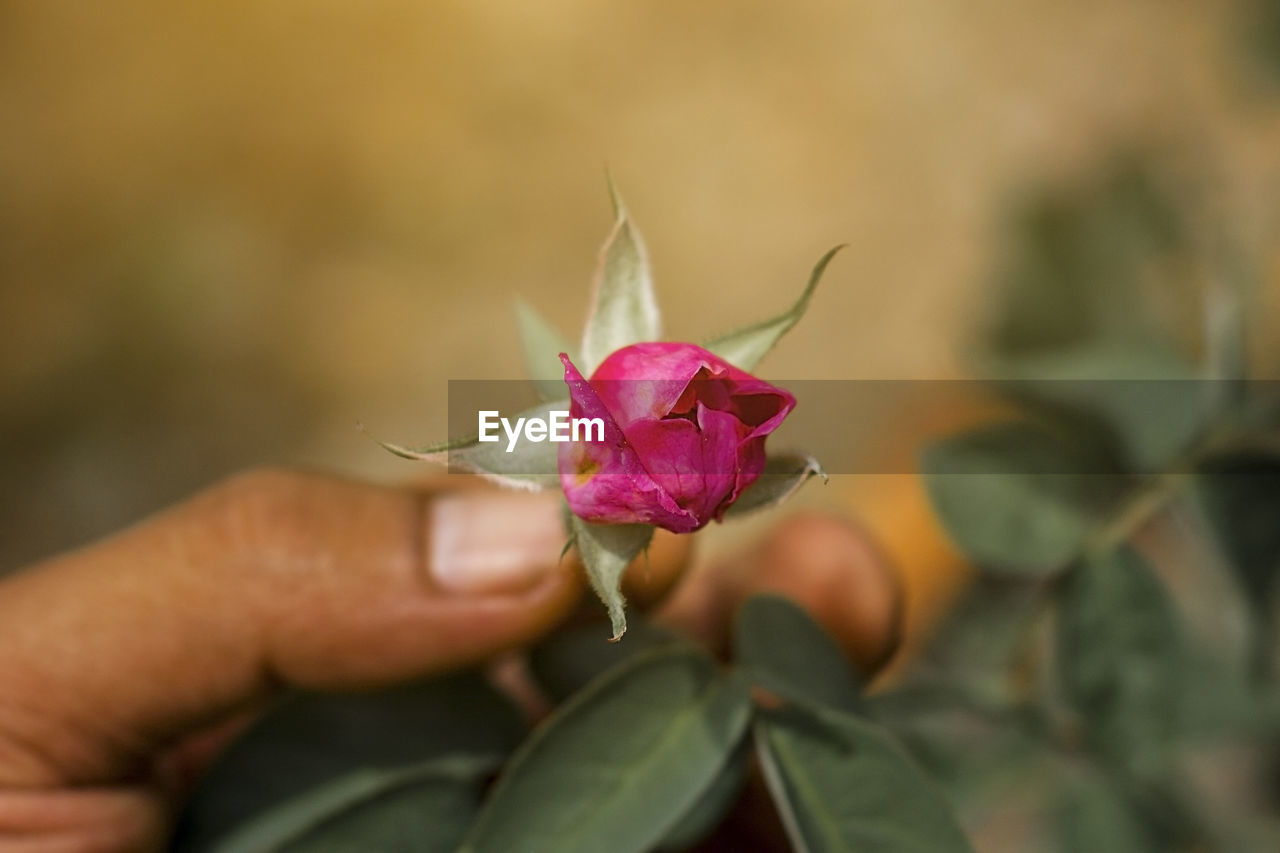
x=126, y=665
x=121, y=661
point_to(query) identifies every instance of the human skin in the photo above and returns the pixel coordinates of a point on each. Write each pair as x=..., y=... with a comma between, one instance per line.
x=126, y=665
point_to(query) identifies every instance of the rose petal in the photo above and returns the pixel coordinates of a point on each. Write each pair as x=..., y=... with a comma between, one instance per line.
x=761, y=405
x=647, y=380
x=685, y=435
x=605, y=481
x=693, y=462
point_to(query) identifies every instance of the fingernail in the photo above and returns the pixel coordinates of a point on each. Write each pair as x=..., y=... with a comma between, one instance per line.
x=487, y=543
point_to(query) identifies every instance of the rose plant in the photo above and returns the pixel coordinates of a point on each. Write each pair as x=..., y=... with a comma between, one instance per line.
x=1109, y=682
x=685, y=424
x=652, y=742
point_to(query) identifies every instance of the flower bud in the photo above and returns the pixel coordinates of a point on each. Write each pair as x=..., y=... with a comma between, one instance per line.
x=684, y=435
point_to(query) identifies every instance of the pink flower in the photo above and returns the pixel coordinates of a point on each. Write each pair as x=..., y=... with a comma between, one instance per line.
x=684, y=435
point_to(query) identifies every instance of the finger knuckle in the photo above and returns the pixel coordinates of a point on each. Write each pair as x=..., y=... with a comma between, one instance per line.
x=262, y=505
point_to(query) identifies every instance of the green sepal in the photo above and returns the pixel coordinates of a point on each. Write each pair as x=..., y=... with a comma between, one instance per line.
x=782, y=477
x=746, y=347
x=606, y=550
x=541, y=345
x=623, y=309
x=532, y=466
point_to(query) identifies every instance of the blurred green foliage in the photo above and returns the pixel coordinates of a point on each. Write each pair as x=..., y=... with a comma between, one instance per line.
x=1260, y=21
x=311, y=742
x=649, y=751
x=1115, y=663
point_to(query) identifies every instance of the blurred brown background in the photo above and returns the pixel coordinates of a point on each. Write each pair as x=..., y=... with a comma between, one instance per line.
x=230, y=231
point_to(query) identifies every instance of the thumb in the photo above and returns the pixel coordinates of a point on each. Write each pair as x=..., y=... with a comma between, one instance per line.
x=116, y=650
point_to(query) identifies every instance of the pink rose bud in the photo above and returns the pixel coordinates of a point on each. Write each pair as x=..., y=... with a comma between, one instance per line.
x=684, y=435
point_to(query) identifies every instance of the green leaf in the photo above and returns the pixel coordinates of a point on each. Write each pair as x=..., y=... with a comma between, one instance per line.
x=1086, y=262
x=1120, y=656
x=311, y=739
x=746, y=347
x=1238, y=498
x=841, y=784
x=623, y=309
x=1239, y=495
x=542, y=345
x=1144, y=399
x=606, y=549
x=426, y=808
x=530, y=465
x=1094, y=816
x=712, y=806
x=975, y=751
x=783, y=650
x=1013, y=497
x=984, y=632
x=617, y=766
x=1258, y=23
x=568, y=660
x=782, y=477
x=1080, y=305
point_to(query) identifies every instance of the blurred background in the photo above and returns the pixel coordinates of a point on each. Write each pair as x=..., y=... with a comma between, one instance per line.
x=228, y=232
